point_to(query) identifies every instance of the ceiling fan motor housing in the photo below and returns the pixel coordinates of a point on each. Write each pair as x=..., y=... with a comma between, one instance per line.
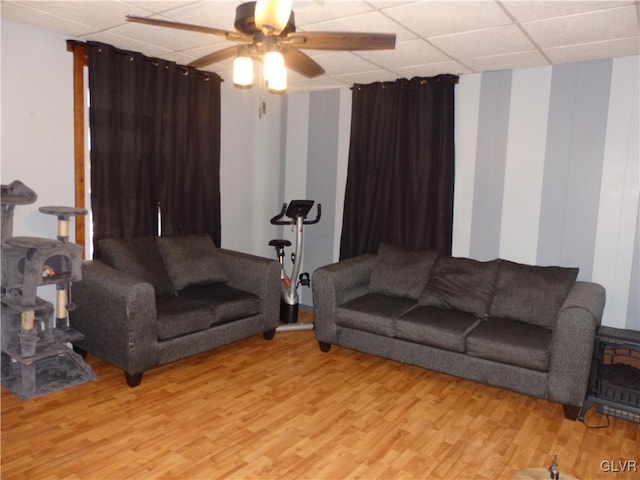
x=245, y=20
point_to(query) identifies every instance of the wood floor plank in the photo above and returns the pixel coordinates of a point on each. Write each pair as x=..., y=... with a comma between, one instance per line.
x=282, y=409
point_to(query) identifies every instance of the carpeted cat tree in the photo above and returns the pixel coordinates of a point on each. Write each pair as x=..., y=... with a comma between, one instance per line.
x=36, y=356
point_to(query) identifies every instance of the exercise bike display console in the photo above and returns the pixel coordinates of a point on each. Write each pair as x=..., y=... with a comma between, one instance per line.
x=296, y=215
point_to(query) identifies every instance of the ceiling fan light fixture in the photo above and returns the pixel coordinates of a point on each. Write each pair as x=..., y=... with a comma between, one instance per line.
x=272, y=16
x=273, y=65
x=243, y=71
x=278, y=82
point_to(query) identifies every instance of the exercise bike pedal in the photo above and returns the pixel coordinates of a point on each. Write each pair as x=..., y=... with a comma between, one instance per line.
x=304, y=279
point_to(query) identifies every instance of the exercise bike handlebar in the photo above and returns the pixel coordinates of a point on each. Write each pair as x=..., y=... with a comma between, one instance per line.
x=318, y=215
x=276, y=220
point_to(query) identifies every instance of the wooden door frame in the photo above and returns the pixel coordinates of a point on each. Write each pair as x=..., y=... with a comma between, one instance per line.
x=79, y=51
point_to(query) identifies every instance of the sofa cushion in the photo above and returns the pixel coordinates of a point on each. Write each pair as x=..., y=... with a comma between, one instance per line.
x=436, y=327
x=512, y=342
x=191, y=260
x=461, y=284
x=531, y=294
x=139, y=257
x=373, y=313
x=177, y=316
x=226, y=303
x=400, y=272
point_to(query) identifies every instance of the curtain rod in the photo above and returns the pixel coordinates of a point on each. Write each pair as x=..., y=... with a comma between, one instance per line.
x=422, y=80
x=73, y=45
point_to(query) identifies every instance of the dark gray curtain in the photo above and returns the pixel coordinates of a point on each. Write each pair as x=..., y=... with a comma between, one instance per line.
x=155, y=144
x=400, y=174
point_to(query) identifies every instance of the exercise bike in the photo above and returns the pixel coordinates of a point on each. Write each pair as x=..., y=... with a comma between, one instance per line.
x=296, y=213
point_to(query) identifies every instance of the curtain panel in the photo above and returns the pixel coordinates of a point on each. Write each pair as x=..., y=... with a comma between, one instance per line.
x=400, y=173
x=155, y=145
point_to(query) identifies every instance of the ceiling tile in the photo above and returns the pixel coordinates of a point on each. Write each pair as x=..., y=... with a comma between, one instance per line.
x=17, y=12
x=594, y=51
x=374, y=22
x=218, y=14
x=430, y=19
x=179, y=58
x=584, y=28
x=481, y=43
x=311, y=12
x=526, y=11
x=125, y=43
x=409, y=52
x=368, y=77
x=159, y=6
x=98, y=14
x=337, y=63
x=532, y=58
x=169, y=38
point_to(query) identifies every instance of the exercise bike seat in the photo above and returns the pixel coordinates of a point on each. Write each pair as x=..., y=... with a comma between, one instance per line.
x=279, y=243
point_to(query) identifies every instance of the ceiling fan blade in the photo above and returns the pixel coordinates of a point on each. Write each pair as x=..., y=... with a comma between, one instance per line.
x=301, y=62
x=341, y=40
x=216, y=57
x=228, y=34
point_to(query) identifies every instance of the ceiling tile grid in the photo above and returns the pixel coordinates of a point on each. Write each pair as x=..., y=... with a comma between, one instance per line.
x=432, y=36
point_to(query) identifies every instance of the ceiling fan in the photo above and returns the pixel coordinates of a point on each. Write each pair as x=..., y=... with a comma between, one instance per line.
x=266, y=31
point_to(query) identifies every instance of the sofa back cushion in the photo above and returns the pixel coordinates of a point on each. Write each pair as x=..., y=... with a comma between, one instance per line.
x=401, y=272
x=461, y=284
x=139, y=257
x=531, y=294
x=191, y=260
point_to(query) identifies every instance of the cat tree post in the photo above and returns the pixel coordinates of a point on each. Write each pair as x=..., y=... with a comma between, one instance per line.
x=62, y=289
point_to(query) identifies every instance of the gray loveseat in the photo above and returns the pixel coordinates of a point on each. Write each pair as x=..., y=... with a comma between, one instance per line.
x=149, y=301
x=525, y=328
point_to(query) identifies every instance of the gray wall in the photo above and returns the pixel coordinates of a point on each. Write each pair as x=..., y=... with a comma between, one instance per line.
x=563, y=186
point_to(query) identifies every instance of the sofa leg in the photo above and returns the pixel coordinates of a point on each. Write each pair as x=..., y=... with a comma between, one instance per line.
x=133, y=380
x=268, y=335
x=324, y=346
x=571, y=412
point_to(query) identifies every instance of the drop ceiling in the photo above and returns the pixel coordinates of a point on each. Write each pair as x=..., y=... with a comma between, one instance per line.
x=433, y=37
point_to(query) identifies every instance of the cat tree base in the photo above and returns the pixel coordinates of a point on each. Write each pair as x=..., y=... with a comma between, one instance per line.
x=27, y=379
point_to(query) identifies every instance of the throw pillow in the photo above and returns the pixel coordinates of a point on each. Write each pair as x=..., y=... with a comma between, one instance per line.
x=461, y=284
x=191, y=260
x=138, y=257
x=400, y=272
x=531, y=294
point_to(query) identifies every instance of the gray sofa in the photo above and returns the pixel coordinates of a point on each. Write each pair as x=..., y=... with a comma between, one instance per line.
x=525, y=328
x=149, y=301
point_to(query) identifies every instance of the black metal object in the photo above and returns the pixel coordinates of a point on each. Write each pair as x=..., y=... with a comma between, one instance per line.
x=614, y=383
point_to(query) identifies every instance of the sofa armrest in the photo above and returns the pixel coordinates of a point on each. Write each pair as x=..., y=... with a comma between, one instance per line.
x=572, y=343
x=334, y=285
x=258, y=275
x=116, y=313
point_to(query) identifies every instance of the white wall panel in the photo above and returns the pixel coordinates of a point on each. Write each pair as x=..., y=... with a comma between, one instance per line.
x=467, y=107
x=37, y=126
x=618, y=209
x=344, y=132
x=530, y=96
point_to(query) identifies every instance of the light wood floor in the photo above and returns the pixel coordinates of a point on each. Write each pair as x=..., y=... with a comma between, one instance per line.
x=282, y=409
